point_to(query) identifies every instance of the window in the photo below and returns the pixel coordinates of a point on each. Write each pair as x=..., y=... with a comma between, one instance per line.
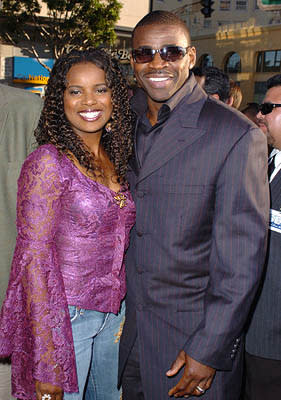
x=260, y=90
x=269, y=61
x=241, y=4
x=232, y=64
x=224, y=5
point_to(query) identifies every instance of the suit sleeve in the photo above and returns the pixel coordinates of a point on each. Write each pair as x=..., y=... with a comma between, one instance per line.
x=237, y=252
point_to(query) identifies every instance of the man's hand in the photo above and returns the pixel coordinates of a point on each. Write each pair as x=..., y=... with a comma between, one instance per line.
x=54, y=392
x=195, y=374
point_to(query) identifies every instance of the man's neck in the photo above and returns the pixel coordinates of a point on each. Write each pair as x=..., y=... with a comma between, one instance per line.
x=152, y=111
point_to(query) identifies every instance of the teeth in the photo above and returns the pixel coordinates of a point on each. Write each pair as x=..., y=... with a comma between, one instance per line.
x=90, y=114
x=158, y=79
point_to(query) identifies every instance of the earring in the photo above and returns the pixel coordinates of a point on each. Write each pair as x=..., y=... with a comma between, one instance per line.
x=108, y=127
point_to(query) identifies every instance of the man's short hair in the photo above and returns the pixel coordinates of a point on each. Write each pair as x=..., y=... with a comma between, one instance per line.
x=217, y=82
x=160, y=17
x=273, y=81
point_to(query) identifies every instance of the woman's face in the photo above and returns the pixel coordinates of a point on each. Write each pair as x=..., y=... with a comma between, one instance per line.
x=87, y=99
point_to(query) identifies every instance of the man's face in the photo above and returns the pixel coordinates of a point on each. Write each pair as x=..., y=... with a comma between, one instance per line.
x=159, y=78
x=270, y=123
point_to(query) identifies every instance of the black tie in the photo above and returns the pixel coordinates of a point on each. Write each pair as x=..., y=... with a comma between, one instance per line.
x=271, y=166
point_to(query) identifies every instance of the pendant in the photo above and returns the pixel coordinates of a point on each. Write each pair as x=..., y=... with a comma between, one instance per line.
x=121, y=200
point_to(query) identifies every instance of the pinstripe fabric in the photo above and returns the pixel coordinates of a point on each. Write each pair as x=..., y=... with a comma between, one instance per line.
x=198, y=246
x=264, y=334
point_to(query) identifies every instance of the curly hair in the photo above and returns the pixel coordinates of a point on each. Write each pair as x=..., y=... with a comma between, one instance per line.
x=54, y=127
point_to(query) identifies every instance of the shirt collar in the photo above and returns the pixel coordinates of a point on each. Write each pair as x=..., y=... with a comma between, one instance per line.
x=277, y=159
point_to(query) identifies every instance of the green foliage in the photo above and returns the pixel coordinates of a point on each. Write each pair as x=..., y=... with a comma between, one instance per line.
x=67, y=25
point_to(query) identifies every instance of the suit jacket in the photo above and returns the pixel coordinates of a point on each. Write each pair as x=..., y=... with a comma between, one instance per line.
x=264, y=334
x=19, y=113
x=198, y=246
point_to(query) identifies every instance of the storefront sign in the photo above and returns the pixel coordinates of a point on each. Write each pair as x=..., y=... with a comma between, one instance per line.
x=123, y=55
x=29, y=70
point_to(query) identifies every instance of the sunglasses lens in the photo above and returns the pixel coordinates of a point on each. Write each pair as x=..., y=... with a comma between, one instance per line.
x=172, y=53
x=143, y=56
x=169, y=53
x=266, y=108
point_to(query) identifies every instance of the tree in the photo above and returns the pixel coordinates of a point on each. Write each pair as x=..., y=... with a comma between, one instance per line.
x=66, y=24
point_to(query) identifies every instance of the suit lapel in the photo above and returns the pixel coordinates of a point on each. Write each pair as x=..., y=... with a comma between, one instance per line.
x=275, y=187
x=134, y=160
x=180, y=131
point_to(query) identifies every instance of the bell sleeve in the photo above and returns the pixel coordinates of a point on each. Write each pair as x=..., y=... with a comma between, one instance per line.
x=35, y=324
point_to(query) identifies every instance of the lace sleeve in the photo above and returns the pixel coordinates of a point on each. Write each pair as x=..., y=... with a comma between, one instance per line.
x=45, y=351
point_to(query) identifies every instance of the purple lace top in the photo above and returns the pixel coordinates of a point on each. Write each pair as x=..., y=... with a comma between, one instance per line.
x=72, y=236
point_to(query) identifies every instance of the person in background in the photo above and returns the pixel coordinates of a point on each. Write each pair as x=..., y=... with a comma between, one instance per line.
x=263, y=339
x=199, y=75
x=74, y=214
x=235, y=95
x=251, y=112
x=198, y=177
x=19, y=114
x=217, y=84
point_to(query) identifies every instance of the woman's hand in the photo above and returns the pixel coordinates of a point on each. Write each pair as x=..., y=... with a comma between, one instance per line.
x=54, y=392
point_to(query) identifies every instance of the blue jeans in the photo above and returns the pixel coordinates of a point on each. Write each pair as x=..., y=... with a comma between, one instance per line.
x=96, y=342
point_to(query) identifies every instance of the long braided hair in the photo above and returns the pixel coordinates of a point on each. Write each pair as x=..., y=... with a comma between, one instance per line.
x=54, y=128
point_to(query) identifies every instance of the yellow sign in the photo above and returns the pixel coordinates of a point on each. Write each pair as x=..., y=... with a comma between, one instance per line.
x=39, y=80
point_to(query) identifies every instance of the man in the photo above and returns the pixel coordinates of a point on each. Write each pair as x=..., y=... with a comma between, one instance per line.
x=217, y=84
x=263, y=340
x=199, y=75
x=19, y=113
x=251, y=112
x=195, y=259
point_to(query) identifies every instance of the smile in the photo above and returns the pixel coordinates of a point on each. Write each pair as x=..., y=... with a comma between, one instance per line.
x=90, y=115
x=159, y=81
x=162, y=79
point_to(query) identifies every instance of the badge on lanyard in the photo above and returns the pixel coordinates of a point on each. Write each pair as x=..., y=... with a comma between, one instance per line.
x=275, y=220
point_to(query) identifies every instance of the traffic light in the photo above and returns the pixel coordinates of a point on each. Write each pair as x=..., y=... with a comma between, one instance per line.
x=207, y=8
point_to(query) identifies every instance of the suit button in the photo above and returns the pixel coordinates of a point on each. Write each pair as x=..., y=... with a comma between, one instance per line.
x=139, y=307
x=140, y=194
x=139, y=233
x=140, y=270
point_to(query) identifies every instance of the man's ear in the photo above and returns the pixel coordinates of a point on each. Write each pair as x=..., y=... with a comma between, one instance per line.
x=230, y=101
x=215, y=96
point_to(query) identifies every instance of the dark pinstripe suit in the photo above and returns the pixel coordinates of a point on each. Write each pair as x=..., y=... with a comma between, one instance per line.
x=264, y=334
x=198, y=246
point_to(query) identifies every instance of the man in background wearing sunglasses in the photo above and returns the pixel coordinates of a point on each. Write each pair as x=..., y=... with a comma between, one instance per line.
x=199, y=181
x=263, y=340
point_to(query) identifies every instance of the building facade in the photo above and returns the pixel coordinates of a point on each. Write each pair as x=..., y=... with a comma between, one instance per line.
x=17, y=68
x=239, y=38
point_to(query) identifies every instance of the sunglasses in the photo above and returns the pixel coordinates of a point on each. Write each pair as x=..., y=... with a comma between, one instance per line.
x=267, y=108
x=167, y=53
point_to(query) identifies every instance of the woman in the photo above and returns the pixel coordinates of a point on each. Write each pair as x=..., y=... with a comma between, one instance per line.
x=63, y=308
